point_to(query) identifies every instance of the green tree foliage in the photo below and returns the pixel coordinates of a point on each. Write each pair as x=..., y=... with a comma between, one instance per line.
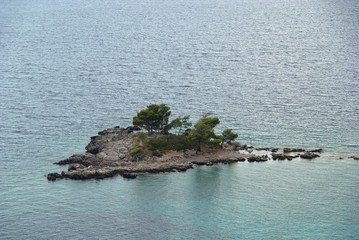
x=228, y=136
x=153, y=118
x=181, y=124
x=170, y=142
x=203, y=130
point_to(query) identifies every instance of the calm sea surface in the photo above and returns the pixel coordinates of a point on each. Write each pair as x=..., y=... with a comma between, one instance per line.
x=280, y=73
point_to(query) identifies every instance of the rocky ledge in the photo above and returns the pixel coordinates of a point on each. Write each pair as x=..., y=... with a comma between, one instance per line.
x=108, y=154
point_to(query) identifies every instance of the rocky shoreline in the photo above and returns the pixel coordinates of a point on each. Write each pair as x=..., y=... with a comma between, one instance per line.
x=108, y=155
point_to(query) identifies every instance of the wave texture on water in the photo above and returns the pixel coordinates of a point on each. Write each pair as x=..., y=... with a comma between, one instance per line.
x=280, y=73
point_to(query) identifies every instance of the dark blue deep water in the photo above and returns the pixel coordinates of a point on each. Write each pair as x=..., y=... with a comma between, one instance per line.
x=280, y=73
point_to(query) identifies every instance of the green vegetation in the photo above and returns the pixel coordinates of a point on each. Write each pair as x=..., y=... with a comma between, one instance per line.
x=228, y=136
x=155, y=118
x=170, y=142
x=137, y=152
x=182, y=124
x=203, y=131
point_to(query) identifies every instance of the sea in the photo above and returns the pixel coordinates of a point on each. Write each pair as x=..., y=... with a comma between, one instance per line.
x=280, y=73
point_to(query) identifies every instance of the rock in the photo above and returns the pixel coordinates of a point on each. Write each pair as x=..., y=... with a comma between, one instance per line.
x=263, y=149
x=257, y=159
x=278, y=156
x=129, y=175
x=53, y=176
x=354, y=157
x=104, y=132
x=243, y=147
x=317, y=150
x=133, y=128
x=309, y=155
x=95, y=146
x=117, y=127
x=287, y=150
x=237, y=146
x=75, y=166
x=76, y=158
x=181, y=168
x=198, y=163
x=90, y=173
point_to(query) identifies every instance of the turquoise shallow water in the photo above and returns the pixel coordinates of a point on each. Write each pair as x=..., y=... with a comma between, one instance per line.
x=280, y=73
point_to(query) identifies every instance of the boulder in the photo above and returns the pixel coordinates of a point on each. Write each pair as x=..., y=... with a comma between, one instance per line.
x=95, y=146
x=237, y=146
x=258, y=158
x=53, y=176
x=309, y=155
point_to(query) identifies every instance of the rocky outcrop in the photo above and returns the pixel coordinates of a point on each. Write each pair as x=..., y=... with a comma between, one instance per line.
x=288, y=150
x=279, y=156
x=235, y=146
x=108, y=155
x=53, y=176
x=309, y=155
x=263, y=158
x=129, y=175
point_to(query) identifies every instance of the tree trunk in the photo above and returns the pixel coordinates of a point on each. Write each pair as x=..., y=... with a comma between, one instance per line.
x=199, y=147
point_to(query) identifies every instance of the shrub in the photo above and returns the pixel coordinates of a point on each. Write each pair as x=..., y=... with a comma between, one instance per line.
x=142, y=136
x=170, y=142
x=137, y=152
x=157, y=153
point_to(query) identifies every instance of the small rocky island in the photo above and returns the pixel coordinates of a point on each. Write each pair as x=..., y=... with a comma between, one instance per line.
x=129, y=151
x=109, y=154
